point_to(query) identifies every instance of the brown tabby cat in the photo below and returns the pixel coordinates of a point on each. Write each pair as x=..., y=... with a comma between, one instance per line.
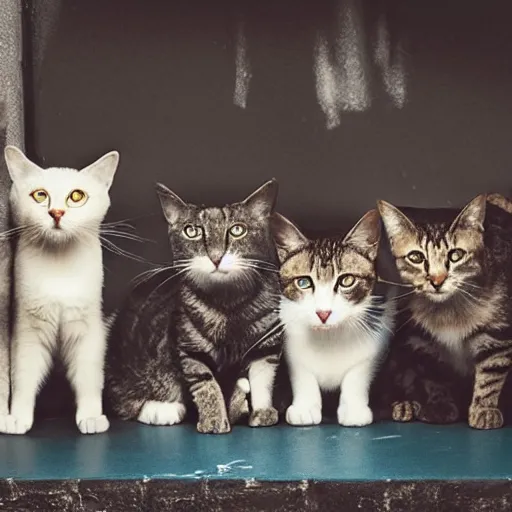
x=457, y=323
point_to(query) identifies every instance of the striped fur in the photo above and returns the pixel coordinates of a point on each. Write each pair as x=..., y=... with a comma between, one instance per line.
x=190, y=335
x=453, y=349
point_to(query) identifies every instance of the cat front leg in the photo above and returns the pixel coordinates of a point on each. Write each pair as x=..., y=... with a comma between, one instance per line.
x=84, y=344
x=353, y=409
x=306, y=408
x=206, y=394
x=262, y=374
x=493, y=361
x=33, y=342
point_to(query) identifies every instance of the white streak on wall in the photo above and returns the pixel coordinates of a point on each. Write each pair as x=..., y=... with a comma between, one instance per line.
x=327, y=81
x=392, y=70
x=242, y=69
x=342, y=82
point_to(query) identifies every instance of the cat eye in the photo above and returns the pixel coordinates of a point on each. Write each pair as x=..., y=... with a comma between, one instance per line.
x=416, y=257
x=304, y=283
x=238, y=230
x=77, y=198
x=39, y=196
x=456, y=255
x=193, y=232
x=347, y=280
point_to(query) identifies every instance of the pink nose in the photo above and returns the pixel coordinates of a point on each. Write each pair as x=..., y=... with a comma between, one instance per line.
x=323, y=315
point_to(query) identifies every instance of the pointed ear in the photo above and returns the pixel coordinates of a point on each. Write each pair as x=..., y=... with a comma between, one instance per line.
x=172, y=205
x=397, y=224
x=104, y=168
x=19, y=166
x=287, y=236
x=365, y=235
x=263, y=201
x=472, y=216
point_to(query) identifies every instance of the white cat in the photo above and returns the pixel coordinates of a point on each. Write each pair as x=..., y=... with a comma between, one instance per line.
x=336, y=328
x=58, y=285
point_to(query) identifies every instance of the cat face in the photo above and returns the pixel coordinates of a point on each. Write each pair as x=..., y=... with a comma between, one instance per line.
x=221, y=245
x=59, y=204
x=438, y=258
x=328, y=282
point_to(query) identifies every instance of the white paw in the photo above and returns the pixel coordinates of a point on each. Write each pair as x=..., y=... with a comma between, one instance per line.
x=244, y=385
x=15, y=425
x=162, y=413
x=93, y=425
x=304, y=415
x=354, y=415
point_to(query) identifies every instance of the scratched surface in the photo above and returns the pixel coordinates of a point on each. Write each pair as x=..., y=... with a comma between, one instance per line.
x=329, y=453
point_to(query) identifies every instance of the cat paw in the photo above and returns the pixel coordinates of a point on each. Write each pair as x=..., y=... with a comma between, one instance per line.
x=93, y=425
x=402, y=411
x=439, y=413
x=264, y=417
x=10, y=424
x=485, y=418
x=303, y=415
x=162, y=413
x=354, y=415
x=213, y=425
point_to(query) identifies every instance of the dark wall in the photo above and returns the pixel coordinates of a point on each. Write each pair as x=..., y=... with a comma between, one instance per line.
x=155, y=80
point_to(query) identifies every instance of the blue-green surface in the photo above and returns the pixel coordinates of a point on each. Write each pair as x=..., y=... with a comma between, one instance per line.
x=53, y=450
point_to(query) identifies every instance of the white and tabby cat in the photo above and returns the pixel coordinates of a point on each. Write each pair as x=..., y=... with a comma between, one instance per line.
x=337, y=327
x=58, y=285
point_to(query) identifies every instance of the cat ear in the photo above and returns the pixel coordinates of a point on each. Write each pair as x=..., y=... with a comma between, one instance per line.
x=397, y=224
x=172, y=205
x=472, y=216
x=104, y=168
x=263, y=201
x=19, y=166
x=366, y=234
x=287, y=236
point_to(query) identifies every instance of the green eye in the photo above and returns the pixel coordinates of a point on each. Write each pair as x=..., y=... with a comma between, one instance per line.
x=39, y=196
x=456, y=255
x=238, y=230
x=304, y=283
x=416, y=257
x=347, y=280
x=193, y=232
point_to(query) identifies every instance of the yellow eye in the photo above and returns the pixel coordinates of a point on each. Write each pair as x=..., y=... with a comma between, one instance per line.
x=77, y=198
x=193, y=232
x=39, y=196
x=456, y=255
x=238, y=230
x=347, y=280
x=416, y=257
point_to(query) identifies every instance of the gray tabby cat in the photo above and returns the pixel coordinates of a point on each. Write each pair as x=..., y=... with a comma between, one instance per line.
x=188, y=336
x=459, y=311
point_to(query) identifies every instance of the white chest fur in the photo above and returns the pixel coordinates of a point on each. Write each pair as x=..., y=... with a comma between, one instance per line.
x=329, y=355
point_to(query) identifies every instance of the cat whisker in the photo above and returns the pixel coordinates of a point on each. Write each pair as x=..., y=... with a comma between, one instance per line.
x=148, y=274
x=278, y=327
x=113, y=248
x=187, y=269
x=255, y=266
x=398, y=297
x=128, y=236
x=403, y=285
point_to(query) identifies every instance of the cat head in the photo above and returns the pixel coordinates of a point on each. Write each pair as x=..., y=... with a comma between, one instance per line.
x=436, y=254
x=229, y=244
x=327, y=282
x=59, y=204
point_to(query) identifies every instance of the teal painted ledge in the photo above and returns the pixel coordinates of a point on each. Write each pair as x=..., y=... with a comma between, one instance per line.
x=388, y=451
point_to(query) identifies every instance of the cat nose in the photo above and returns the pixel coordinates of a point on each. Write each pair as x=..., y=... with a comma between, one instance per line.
x=216, y=259
x=323, y=315
x=437, y=280
x=56, y=215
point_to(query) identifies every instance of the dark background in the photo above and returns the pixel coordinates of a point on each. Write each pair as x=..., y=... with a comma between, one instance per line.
x=154, y=80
